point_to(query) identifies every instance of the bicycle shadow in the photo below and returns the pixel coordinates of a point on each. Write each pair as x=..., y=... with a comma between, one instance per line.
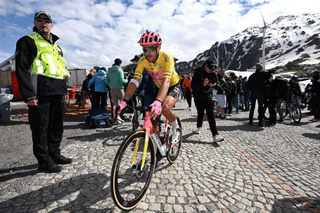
x=76, y=194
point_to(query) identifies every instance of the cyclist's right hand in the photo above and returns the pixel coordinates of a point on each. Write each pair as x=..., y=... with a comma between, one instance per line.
x=119, y=107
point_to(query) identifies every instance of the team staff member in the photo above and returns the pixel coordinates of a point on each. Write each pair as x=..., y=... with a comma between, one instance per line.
x=204, y=78
x=40, y=70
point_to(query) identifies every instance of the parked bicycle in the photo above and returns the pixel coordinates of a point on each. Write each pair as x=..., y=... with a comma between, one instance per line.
x=292, y=108
x=136, y=159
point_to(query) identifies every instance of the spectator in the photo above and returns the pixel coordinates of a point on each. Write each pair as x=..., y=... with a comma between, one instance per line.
x=270, y=100
x=241, y=107
x=203, y=80
x=44, y=89
x=115, y=80
x=246, y=94
x=236, y=82
x=100, y=87
x=187, y=89
x=256, y=85
x=221, y=95
x=91, y=93
x=316, y=102
x=230, y=95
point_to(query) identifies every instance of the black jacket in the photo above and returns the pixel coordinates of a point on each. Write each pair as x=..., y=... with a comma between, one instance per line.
x=280, y=89
x=257, y=80
x=316, y=86
x=26, y=51
x=199, y=91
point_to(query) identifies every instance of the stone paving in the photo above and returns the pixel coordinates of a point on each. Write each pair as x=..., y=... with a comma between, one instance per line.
x=255, y=169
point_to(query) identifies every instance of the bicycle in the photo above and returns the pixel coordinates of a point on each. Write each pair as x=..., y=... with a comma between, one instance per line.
x=131, y=172
x=292, y=109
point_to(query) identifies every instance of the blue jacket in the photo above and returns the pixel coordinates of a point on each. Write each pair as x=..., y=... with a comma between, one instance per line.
x=98, y=79
x=244, y=85
x=115, y=78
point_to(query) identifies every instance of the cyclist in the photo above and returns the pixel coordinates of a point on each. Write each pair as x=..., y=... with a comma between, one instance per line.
x=160, y=66
x=294, y=88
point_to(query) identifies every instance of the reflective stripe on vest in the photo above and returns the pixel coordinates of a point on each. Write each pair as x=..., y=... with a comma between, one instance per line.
x=48, y=61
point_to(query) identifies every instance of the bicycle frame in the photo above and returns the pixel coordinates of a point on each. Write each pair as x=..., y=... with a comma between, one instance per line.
x=148, y=127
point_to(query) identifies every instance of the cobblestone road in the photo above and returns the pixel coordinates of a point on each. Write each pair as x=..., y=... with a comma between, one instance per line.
x=268, y=169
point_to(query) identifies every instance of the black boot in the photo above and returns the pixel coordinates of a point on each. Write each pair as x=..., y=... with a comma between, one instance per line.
x=49, y=167
x=59, y=159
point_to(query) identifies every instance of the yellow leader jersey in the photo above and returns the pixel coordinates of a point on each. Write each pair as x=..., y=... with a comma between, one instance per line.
x=162, y=68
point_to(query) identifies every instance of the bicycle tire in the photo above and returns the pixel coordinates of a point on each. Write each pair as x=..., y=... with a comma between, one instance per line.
x=174, y=152
x=135, y=120
x=296, y=113
x=128, y=186
x=284, y=109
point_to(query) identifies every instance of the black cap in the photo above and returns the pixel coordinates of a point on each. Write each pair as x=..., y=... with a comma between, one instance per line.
x=210, y=64
x=42, y=12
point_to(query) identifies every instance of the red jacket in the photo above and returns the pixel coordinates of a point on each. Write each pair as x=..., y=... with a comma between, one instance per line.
x=187, y=84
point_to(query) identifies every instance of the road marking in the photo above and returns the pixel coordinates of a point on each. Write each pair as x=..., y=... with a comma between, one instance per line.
x=286, y=187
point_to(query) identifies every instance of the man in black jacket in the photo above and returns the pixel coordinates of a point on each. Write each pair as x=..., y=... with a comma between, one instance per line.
x=203, y=80
x=256, y=85
x=40, y=71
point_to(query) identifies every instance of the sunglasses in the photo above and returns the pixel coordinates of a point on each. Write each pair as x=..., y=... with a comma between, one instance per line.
x=43, y=19
x=149, y=49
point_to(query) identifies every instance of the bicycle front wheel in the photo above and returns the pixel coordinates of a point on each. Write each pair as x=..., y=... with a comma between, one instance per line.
x=174, y=149
x=130, y=182
x=296, y=113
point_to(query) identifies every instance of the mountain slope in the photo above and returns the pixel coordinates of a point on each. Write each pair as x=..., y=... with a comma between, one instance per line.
x=288, y=39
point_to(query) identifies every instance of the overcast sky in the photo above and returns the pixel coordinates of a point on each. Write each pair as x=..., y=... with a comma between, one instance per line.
x=96, y=32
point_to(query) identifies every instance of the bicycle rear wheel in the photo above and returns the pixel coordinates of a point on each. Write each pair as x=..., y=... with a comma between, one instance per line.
x=284, y=109
x=128, y=183
x=174, y=150
x=296, y=113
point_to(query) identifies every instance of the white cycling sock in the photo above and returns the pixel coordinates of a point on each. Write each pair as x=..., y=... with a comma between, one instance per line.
x=175, y=124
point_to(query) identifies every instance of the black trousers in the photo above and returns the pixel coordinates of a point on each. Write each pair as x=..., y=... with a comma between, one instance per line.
x=46, y=123
x=207, y=105
x=188, y=97
x=229, y=104
x=101, y=97
x=271, y=106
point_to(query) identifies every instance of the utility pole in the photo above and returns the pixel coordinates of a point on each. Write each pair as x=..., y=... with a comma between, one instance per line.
x=263, y=45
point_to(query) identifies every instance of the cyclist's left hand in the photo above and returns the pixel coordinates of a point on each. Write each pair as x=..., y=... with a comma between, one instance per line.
x=156, y=109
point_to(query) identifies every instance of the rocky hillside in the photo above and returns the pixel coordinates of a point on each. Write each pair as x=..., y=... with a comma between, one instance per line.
x=289, y=39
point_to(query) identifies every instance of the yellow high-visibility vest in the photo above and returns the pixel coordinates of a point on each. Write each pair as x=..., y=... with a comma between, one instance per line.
x=48, y=61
